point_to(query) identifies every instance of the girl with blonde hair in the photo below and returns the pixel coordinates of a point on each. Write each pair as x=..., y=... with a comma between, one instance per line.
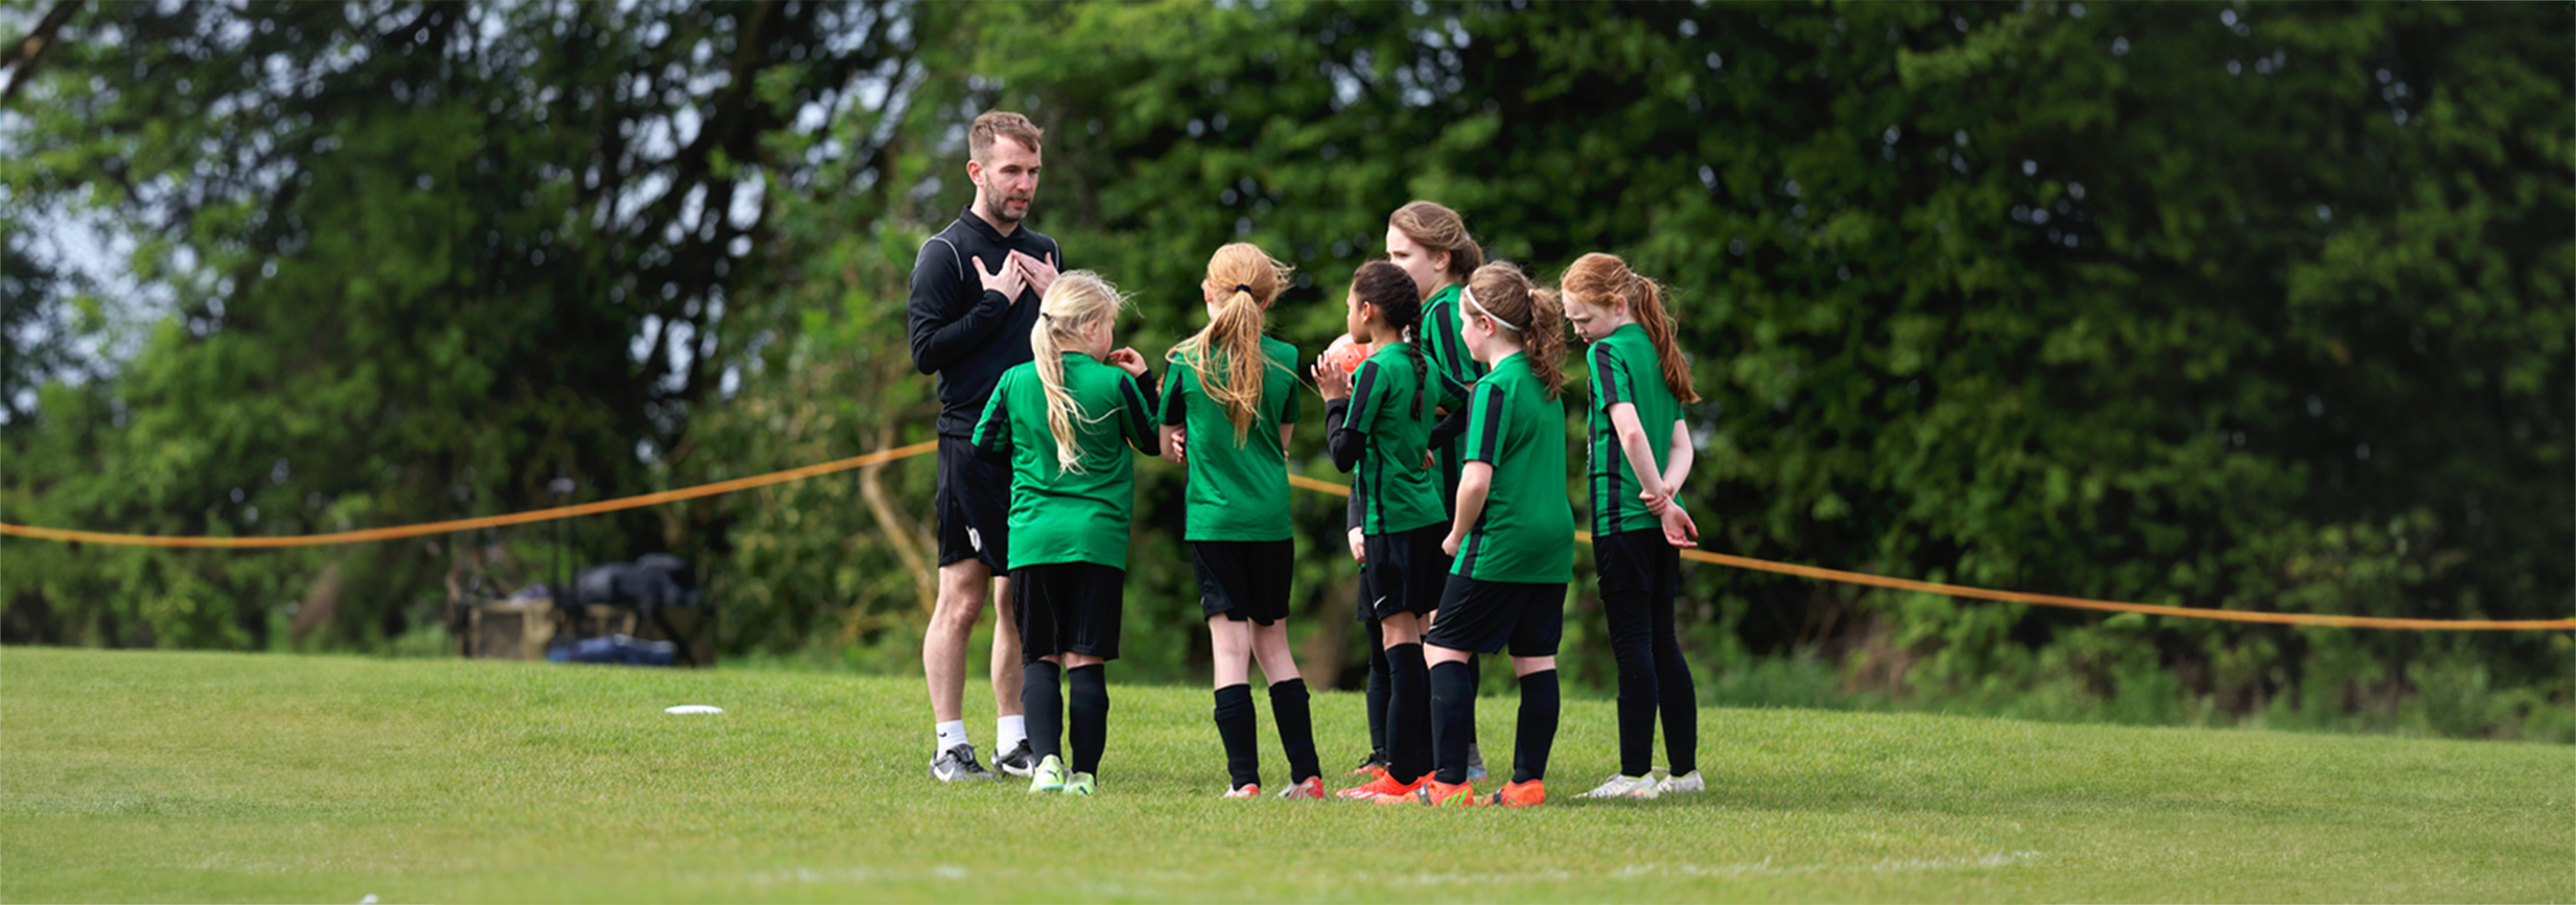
x=1229, y=405
x=1064, y=422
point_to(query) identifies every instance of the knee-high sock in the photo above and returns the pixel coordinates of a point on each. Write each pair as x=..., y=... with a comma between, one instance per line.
x=1408, y=714
x=1087, y=716
x=1288, y=705
x=1381, y=685
x=1632, y=645
x=1453, y=709
x=1679, y=696
x=1235, y=725
x=1042, y=699
x=1537, y=727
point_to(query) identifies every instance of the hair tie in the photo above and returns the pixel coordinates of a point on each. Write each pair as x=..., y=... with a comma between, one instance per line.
x=1239, y=287
x=1049, y=317
x=1469, y=296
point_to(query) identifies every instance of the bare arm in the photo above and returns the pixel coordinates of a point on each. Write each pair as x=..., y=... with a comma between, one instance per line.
x=1641, y=457
x=1473, y=482
x=1684, y=452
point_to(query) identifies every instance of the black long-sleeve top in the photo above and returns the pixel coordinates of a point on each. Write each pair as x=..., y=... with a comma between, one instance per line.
x=962, y=332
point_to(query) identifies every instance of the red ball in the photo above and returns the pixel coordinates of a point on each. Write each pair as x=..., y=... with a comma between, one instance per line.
x=1347, y=355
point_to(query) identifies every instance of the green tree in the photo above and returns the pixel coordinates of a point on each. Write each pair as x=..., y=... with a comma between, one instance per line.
x=422, y=259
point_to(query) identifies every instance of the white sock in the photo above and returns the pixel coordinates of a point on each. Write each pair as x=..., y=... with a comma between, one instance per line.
x=952, y=734
x=1011, y=731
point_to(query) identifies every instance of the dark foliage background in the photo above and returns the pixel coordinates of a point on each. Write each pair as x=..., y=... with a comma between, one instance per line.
x=2225, y=305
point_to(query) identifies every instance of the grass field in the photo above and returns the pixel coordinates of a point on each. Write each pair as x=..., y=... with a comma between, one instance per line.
x=207, y=777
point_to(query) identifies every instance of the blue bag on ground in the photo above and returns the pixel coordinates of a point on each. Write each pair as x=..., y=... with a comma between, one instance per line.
x=618, y=649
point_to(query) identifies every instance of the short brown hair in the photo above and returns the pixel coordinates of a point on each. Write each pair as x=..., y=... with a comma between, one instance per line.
x=1002, y=124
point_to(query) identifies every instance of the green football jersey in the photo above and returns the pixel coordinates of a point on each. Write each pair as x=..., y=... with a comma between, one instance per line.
x=1238, y=490
x=1626, y=369
x=1526, y=533
x=1447, y=349
x=1397, y=492
x=1058, y=515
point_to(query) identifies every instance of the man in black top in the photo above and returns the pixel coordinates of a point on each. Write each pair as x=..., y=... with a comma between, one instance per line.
x=975, y=291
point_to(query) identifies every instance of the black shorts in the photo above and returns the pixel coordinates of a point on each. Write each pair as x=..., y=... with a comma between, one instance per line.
x=1637, y=562
x=1244, y=579
x=1068, y=608
x=974, y=500
x=1405, y=572
x=1486, y=616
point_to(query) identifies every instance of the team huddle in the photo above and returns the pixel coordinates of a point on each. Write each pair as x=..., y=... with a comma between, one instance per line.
x=1443, y=402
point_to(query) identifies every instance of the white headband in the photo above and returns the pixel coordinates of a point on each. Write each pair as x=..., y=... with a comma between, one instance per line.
x=1469, y=296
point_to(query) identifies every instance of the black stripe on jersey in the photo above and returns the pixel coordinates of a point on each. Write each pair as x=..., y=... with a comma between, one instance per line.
x=1606, y=495
x=1175, y=409
x=1451, y=390
x=1492, y=428
x=996, y=431
x=1605, y=378
x=1364, y=396
x=1374, y=518
x=1140, y=421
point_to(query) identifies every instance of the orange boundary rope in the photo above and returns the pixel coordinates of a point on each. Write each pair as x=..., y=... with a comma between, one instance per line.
x=516, y=518
x=1301, y=481
x=1930, y=587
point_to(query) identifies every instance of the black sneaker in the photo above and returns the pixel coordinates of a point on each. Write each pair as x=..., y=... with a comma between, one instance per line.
x=1020, y=762
x=1375, y=763
x=958, y=765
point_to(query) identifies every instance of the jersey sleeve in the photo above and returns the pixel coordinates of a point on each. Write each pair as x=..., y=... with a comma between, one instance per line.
x=1139, y=401
x=1610, y=382
x=1365, y=390
x=993, y=431
x=1346, y=422
x=1485, y=425
x=1175, y=406
x=1448, y=351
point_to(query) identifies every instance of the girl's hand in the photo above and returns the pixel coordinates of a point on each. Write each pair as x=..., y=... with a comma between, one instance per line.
x=1449, y=545
x=1333, y=382
x=1175, y=447
x=1127, y=360
x=1657, y=503
x=1679, y=530
x=1359, y=551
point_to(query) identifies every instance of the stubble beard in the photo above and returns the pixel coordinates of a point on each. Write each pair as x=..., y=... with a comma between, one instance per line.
x=997, y=209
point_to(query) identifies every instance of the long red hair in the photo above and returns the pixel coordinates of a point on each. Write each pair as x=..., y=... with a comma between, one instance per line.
x=1597, y=278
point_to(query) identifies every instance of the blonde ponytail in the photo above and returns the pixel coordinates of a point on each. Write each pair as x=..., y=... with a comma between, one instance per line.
x=1077, y=300
x=1247, y=279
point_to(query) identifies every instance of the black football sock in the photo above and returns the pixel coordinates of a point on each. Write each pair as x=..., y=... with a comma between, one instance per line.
x=1042, y=698
x=1453, y=709
x=1408, y=714
x=1087, y=718
x=1288, y=705
x=1235, y=725
x=1537, y=728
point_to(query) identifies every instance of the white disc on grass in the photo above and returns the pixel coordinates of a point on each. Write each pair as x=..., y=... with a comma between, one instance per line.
x=693, y=708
